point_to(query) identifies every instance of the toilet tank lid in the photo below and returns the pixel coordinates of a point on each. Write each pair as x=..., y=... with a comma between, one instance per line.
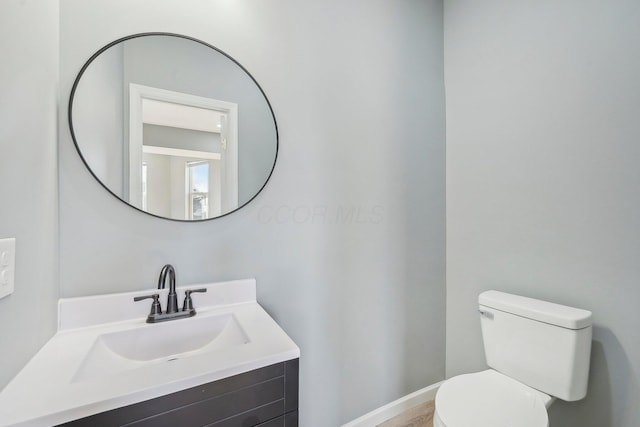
x=543, y=311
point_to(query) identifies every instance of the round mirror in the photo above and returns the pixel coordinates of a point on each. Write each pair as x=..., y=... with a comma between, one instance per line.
x=173, y=126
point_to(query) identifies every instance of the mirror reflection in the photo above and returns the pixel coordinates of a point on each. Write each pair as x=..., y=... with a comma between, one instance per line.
x=173, y=127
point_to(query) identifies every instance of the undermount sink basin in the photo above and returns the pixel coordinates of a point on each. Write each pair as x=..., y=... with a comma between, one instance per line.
x=149, y=344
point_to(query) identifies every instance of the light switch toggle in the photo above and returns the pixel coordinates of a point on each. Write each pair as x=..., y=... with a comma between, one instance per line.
x=7, y=266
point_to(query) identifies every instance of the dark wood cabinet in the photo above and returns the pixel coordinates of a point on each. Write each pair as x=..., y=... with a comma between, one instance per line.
x=265, y=397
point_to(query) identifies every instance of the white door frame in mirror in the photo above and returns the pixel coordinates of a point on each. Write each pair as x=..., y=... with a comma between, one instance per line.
x=228, y=139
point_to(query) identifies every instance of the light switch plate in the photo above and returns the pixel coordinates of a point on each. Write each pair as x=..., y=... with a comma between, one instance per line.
x=7, y=266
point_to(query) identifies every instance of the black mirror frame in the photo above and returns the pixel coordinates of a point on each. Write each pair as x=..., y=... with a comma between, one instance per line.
x=120, y=40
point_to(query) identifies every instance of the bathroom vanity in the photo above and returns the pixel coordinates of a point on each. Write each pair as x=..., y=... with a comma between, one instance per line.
x=265, y=397
x=228, y=365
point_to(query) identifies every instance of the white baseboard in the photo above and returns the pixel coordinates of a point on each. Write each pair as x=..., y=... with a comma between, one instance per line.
x=396, y=407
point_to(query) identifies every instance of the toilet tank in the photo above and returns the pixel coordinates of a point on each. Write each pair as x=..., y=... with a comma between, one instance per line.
x=544, y=345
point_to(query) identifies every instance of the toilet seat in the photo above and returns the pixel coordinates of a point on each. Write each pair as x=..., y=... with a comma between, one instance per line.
x=489, y=399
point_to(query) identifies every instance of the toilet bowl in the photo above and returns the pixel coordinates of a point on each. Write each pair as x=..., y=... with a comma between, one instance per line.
x=489, y=399
x=536, y=351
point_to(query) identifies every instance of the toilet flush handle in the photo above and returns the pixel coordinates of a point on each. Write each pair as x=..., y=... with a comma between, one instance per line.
x=486, y=313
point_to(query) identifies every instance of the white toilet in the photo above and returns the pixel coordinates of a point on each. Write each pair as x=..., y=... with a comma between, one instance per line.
x=537, y=351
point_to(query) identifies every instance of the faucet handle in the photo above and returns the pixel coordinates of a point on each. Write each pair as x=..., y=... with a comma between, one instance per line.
x=155, y=306
x=188, y=303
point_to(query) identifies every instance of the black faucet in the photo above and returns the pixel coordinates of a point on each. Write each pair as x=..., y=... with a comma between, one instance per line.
x=172, y=298
x=172, y=312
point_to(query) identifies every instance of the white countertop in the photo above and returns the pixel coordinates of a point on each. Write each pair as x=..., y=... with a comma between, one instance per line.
x=47, y=391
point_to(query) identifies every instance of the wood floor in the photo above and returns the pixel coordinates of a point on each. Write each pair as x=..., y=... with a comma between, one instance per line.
x=419, y=416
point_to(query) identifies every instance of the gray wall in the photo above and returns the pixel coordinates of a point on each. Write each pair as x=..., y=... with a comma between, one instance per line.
x=542, y=179
x=347, y=239
x=28, y=189
x=98, y=119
